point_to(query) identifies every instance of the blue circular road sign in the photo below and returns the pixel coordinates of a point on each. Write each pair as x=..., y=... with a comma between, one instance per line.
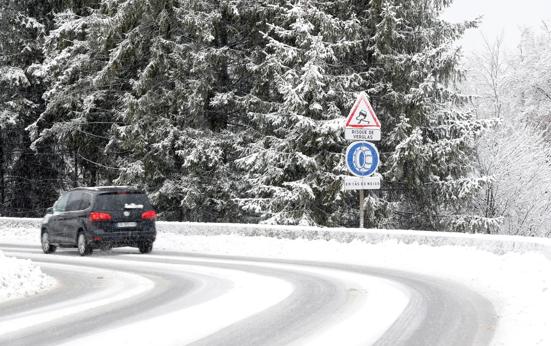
x=362, y=158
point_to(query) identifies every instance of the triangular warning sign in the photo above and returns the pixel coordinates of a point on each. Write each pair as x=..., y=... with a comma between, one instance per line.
x=362, y=114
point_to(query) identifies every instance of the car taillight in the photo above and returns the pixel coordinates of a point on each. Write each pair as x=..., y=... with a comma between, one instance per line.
x=149, y=215
x=99, y=216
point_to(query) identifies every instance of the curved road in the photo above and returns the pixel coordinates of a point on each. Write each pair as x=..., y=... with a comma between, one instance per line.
x=173, y=298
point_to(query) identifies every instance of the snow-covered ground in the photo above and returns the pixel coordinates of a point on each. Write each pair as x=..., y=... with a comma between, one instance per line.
x=21, y=278
x=518, y=284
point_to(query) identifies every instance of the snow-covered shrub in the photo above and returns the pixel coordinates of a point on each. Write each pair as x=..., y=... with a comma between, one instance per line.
x=515, y=88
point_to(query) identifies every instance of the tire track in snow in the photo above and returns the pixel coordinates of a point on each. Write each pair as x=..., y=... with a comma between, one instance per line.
x=217, y=288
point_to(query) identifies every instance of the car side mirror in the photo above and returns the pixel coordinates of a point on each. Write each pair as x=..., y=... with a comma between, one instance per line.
x=50, y=210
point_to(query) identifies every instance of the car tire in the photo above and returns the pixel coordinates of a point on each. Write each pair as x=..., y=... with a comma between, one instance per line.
x=84, y=249
x=145, y=247
x=45, y=241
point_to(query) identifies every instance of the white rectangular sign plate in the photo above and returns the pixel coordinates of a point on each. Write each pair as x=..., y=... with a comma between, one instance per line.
x=362, y=183
x=126, y=224
x=362, y=134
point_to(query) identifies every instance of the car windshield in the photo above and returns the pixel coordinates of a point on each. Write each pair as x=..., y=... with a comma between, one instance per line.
x=121, y=201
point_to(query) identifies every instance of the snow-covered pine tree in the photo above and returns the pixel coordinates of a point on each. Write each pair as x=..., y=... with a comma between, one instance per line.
x=175, y=114
x=317, y=56
x=429, y=140
x=303, y=79
x=27, y=179
x=154, y=78
x=78, y=115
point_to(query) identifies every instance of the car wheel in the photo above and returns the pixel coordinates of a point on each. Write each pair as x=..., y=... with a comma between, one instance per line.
x=145, y=247
x=46, y=246
x=83, y=248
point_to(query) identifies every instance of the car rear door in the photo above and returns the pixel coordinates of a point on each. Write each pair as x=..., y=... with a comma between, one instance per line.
x=55, y=222
x=125, y=208
x=64, y=219
x=75, y=213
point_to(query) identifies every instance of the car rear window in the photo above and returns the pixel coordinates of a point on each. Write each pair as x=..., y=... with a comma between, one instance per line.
x=122, y=201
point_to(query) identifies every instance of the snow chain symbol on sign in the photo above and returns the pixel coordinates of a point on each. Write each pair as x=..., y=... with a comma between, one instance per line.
x=362, y=159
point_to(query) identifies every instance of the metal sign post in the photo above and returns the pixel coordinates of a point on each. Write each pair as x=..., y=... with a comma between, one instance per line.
x=362, y=158
x=362, y=217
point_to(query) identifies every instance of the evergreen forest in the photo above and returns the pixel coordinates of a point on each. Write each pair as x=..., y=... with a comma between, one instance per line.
x=233, y=111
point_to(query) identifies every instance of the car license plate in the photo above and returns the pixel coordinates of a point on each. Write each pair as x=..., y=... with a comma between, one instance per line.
x=126, y=224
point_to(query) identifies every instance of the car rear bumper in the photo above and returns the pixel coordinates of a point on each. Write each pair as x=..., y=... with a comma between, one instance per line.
x=121, y=238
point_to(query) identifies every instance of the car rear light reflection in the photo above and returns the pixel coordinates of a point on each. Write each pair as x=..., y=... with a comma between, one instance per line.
x=99, y=216
x=149, y=215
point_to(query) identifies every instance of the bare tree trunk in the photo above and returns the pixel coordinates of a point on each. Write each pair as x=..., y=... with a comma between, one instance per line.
x=93, y=177
x=2, y=174
x=75, y=178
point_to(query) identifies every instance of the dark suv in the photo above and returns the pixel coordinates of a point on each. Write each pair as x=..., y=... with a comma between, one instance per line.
x=99, y=217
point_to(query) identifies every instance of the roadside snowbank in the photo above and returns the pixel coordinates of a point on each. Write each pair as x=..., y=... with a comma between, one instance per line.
x=21, y=278
x=498, y=244
x=23, y=230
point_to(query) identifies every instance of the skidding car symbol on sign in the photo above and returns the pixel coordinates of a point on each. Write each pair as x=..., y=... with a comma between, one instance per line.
x=362, y=122
x=362, y=117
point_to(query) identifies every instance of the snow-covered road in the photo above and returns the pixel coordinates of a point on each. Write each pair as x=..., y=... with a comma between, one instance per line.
x=175, y=298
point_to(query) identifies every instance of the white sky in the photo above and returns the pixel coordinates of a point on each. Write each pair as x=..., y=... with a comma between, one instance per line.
x=505, y=17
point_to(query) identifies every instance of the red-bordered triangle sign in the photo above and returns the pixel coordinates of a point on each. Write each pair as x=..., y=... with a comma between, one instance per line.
x=362, y=115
